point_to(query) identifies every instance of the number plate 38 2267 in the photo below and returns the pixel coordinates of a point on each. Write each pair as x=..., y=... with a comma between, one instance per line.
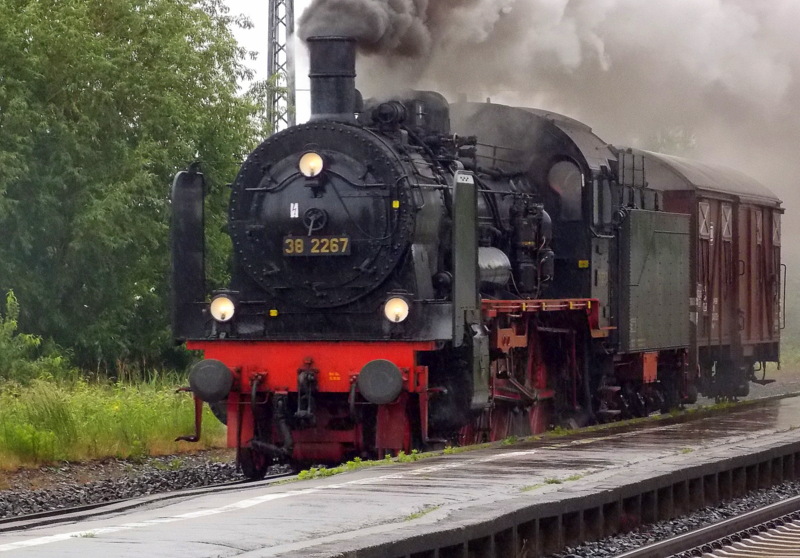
x=316, y=245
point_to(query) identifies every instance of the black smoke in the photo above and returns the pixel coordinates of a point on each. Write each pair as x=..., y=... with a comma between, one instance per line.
x=409, y=29
x=725, y=73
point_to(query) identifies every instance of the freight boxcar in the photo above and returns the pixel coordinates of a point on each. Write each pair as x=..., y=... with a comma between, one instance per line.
x=735, y=268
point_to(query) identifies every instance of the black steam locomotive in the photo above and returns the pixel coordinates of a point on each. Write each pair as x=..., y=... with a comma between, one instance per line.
x=411, y=273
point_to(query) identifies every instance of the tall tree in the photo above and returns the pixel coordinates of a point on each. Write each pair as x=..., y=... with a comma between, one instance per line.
x=101, y=101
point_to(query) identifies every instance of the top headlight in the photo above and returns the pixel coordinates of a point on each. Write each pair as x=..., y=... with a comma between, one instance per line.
x=311, y=164
x=222, y=308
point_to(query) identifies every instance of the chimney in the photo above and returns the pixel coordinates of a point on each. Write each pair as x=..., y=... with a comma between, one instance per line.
x=333, y=78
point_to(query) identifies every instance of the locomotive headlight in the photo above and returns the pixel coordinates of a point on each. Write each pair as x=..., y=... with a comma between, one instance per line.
x=396, y=309
x=311, y=164
x=222, y=308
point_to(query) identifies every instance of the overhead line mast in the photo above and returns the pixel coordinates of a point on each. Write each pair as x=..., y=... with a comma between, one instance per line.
x=280, y=61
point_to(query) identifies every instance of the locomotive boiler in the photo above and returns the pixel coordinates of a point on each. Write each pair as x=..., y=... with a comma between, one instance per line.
x=409, y=273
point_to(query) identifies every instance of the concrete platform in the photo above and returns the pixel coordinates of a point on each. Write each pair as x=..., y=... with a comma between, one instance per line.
x=522, y=500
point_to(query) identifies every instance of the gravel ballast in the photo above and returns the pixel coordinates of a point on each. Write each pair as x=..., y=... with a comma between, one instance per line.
x=648, y=534
x=69, y=485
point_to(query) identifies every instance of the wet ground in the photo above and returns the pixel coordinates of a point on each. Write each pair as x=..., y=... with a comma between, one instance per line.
x=336, y=514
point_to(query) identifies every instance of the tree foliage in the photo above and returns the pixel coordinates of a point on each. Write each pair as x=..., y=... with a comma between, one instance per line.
x=23, y=357
x=101, y=102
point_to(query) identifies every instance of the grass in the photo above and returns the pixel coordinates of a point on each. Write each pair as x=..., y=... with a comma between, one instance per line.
x=358, y=463
x=48, y=421
x=421, y=513
x=570, y=478
x=790, y=357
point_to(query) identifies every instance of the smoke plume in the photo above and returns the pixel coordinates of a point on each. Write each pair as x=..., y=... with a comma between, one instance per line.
x=408, y=29
x=396, y=27
x=724, y=74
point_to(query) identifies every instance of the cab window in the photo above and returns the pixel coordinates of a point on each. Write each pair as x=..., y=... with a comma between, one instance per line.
x=566, y=180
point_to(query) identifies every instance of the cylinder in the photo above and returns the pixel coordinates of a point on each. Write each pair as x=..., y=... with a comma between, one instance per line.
x=333, y=78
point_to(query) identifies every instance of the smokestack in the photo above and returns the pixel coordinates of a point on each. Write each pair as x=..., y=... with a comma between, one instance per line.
x=333, y=78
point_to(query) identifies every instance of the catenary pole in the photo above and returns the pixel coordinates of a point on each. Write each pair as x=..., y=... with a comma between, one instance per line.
x=280, y=60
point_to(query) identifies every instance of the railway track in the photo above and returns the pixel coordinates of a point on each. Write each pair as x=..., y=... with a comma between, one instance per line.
x=75, y=513
x=494, y=502
x=768, y=532
x=542, y=495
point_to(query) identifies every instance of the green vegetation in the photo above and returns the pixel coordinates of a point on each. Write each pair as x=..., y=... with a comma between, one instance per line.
x=50, y=421
x=570, y=478
x=358, y=463
x=49, y=412
x=421, y=513
x=22, y=356
x=790, y=336
x=353, y=465
x=101, y=103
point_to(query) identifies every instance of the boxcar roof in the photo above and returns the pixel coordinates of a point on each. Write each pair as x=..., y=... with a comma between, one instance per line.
x=667, y=172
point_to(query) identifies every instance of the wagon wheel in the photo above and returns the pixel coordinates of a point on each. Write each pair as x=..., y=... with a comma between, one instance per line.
x=254, y=464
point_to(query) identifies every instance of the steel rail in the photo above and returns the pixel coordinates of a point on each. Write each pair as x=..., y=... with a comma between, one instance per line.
x=712, y=533
x=52, y=517
x=779, y=537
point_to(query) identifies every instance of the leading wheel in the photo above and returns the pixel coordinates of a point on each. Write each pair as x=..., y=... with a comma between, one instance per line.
x=254, y=464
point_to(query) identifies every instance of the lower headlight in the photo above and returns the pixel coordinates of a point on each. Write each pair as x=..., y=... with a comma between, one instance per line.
x=396, y=309
x=222, y=308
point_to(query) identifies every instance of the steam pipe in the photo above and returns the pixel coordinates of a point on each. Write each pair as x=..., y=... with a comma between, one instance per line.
x=333, y=78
